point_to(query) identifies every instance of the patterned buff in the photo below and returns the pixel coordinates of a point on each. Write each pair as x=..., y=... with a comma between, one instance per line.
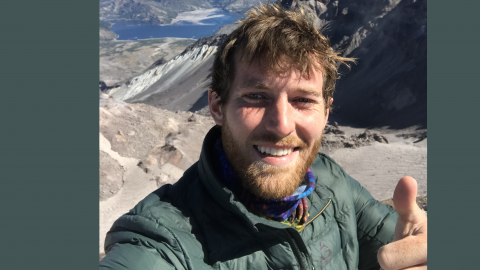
x=291, y=210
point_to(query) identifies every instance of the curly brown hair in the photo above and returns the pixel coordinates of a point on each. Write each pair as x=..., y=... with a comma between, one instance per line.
x=282, y=40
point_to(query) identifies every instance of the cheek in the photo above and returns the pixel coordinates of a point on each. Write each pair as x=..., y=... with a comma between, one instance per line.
x=311, y=127
x=247, y=119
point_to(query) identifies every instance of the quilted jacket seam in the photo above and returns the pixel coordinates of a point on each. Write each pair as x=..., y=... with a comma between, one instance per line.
x=187, y=260
x=374, y=237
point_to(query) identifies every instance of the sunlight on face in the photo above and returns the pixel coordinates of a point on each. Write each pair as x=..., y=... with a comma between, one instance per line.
x=272, y=128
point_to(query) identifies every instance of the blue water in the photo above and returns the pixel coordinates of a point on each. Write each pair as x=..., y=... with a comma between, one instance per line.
x=182, y=29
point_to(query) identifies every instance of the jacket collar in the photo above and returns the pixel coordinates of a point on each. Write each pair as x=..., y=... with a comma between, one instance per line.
x=210, y=178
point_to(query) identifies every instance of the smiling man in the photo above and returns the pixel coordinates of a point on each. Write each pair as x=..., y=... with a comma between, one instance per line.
x=261, y=196
x=272, y=127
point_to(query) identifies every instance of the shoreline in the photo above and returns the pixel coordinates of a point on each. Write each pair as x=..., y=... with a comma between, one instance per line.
x=183, y=19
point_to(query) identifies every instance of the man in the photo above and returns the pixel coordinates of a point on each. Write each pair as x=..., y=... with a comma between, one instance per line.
x=260, y=196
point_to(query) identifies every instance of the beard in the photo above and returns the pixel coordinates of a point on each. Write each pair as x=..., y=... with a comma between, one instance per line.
x=262, y=179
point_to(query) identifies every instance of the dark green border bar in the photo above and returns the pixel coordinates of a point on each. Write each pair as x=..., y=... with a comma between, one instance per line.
x=453, y=112
x=49, y=134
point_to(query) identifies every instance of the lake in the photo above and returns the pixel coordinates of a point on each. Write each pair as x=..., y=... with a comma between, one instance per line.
x=196, y=28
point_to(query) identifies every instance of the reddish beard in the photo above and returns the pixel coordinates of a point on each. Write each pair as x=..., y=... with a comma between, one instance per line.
x=262, y=179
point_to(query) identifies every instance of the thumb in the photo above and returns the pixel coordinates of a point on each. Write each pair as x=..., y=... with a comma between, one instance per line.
x=410, y=245
x=404, y=198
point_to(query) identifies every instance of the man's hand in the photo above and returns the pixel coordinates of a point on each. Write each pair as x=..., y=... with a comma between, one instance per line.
x=409, y=251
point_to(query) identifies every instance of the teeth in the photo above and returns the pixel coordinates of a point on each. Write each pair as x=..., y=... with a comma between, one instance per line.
x=274, y=152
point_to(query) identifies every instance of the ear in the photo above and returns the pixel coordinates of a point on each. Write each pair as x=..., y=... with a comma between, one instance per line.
x=215, y=107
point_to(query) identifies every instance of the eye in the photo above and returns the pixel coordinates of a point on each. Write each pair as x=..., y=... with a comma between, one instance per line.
x=304, y=103
x=254, y=96
x=304, y=100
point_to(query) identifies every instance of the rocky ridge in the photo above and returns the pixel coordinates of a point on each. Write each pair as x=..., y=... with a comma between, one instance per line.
x=189, y=71
x=121, y=60
x=387, y=86
x=335, y=138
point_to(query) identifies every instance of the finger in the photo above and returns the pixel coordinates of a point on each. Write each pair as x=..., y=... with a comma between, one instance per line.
x=411, y=250
x=404, y=198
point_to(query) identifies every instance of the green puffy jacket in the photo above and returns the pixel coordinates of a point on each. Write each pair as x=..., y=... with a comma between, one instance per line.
x=198, y=223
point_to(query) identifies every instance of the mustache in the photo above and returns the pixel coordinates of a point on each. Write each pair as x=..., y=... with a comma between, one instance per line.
x=274, y=139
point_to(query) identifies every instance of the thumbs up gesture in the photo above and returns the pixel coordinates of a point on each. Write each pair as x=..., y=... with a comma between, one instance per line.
x=409, y=250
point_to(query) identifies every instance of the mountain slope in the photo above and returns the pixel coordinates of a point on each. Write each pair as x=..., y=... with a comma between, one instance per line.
x=124, y=59
x=387, y=86
x=177, y=84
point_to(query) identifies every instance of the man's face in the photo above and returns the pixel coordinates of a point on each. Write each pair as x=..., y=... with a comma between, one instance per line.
x=272, y=126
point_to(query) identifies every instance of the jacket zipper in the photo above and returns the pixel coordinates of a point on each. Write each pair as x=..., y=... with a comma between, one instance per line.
x=299, y=254
x=297, y=251
x=325, y=207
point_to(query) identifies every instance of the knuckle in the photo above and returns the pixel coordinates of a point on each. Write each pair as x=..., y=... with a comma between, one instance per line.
x=384, y=259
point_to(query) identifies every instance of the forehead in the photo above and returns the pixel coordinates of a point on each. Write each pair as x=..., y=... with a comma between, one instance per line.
x=258, y=74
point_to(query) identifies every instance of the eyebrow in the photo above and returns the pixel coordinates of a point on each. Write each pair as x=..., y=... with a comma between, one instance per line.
x=310, y=91
x=253, y=83
x=258, y=84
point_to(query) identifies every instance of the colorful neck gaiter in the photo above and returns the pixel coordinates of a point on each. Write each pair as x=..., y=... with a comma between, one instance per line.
x=291, y=210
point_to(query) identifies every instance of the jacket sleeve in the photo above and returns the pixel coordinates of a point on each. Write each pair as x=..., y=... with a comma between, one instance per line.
x=140, y=242
x=375, y=224
x=148, y=238
x=135, y=256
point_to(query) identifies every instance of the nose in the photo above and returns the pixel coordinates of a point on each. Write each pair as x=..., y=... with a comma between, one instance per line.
x=280, y=118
